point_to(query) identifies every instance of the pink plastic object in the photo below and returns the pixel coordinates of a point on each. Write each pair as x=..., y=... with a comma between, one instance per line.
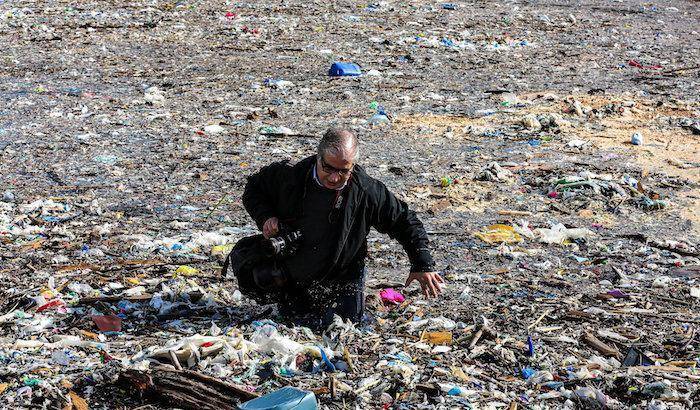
x=391, y=296
x=617, y=293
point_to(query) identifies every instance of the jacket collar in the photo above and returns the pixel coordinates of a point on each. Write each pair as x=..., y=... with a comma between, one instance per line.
x=304, y=169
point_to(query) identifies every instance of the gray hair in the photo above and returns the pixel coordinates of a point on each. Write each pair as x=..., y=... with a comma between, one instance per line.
x=337, y=141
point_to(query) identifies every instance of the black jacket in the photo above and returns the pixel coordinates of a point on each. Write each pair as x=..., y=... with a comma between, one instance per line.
x=278, y=190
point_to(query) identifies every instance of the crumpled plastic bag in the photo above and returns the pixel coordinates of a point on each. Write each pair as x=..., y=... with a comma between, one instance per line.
x=271, y=342
x=559, y=234
x=390, y=295
x=494, y=173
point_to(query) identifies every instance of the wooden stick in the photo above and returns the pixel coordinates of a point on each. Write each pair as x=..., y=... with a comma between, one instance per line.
x=348, y=359
x=175, y=360
x=509, y=212
x=332, y=386
x=185, y=389
x=600, y=346
x=539, y=319
x=476, y=338
x=111, y=299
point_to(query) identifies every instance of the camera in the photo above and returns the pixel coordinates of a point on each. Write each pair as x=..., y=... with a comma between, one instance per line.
x=285, y=244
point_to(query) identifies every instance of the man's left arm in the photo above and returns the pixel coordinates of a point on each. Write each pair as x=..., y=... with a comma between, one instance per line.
x=394, y=218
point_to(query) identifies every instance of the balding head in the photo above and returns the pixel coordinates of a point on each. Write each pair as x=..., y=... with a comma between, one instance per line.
x=339, y=142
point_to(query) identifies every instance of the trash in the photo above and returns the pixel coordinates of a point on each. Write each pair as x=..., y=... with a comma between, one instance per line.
x=531, y=122
x=499, y=233
x=108, y=323
x=540, y=377
x=576, y=143
x=60, y=357
x=154, y=96
x=380, y=117
x=466, y=294
x=636, y=358
x=637, y=139
x=106, y=159
x=287, y=398
x=78, y=402
x=339, y=69
x=617, y=294
x=656, y=389
x=571, y=255
x=633, y=63
x=559, y=234
x=186, y=270
x=391, y=296
x=276, y=83
x=277, y=131
x=527, y=372
x=8, y=196
x=695, y=292
x=214, y=129
x=598, y=345
x=438, y=338
x=493, y=172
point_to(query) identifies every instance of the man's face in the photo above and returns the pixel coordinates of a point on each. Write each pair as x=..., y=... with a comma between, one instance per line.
x=334, y=169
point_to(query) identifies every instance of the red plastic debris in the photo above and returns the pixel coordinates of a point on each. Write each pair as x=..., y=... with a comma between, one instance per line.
x=56, y=303
x=109, y=323
x=634, y=63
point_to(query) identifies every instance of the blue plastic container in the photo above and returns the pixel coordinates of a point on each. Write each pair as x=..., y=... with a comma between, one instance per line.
x=286, y=398
x=339, y=69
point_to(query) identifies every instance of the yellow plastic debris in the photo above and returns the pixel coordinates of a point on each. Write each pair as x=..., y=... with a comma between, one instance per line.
x=133, y=281
x=499, y=233
x=186, y=270
x=221, y=249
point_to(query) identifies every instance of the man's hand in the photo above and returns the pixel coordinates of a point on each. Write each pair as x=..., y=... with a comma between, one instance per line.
x=271, y=227
x=430, y=282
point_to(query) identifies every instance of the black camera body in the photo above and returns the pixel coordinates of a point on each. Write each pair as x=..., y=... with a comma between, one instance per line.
x=286, y=243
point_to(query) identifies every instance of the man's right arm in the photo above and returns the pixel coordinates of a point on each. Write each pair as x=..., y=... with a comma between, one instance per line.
x=259, y=197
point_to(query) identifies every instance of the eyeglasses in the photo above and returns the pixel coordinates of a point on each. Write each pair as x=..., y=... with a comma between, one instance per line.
x=329, y=169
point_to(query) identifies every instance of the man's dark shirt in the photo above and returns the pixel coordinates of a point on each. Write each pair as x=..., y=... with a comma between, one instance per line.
x=320, y=233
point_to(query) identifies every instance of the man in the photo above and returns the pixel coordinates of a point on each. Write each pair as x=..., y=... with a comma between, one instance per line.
x=332, y=203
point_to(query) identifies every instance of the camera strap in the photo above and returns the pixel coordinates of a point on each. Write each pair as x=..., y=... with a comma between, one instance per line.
x=338, y=200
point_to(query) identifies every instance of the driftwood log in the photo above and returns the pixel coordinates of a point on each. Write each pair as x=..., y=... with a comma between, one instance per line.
x=184, y=389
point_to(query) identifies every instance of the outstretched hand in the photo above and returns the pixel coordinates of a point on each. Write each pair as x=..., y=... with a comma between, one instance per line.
x=430, y=282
